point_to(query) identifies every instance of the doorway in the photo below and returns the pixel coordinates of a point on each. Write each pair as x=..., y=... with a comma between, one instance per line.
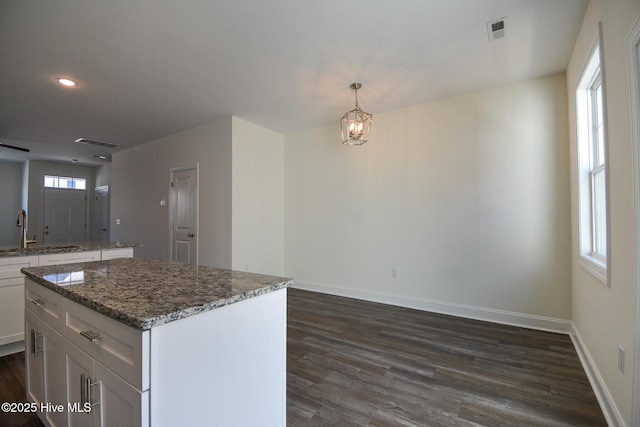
x=101, y=214
x=64, y=215
x=183, y=214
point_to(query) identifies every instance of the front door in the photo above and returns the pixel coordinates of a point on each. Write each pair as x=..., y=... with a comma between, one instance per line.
x=183, y=214
x=64, y=215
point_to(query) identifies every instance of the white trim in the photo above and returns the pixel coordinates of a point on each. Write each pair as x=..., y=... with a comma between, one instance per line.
x=460, y=310
x=11, y=348
x=633, y=42
x=601, y=270
x=607, y=403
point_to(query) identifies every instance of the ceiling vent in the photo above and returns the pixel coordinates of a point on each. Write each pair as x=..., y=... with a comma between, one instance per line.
x=88, y=141
x=497, y=29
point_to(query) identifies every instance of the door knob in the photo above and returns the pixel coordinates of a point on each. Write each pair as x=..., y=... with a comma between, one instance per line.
x=191, y=235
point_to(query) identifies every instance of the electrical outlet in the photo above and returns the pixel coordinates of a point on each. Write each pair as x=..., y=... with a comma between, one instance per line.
x=621, y=358
x=394, y=273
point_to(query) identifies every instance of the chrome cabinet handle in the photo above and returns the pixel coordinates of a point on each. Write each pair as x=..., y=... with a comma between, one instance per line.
x=86, y=382
x=37, y=302
x=92, y=336
x=34, y=343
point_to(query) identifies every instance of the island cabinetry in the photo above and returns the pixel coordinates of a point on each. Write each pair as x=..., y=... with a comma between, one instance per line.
x=43, y=352
x=94, y=366
x=11, y=295
x=101, y=397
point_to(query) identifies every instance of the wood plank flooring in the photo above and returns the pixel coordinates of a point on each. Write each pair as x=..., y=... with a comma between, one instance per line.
x=355, y=363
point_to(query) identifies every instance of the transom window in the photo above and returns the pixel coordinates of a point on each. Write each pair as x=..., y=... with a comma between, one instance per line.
x=51, y=181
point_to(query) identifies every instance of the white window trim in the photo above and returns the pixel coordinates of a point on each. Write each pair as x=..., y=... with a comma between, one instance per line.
x=593, y=264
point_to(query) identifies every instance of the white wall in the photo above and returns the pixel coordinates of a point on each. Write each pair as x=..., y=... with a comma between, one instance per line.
x=604, y=316
x=103, y=175
x=467, y=197
x=140, y=179
x=240, y=194
x=11, y=191
x=258, y=193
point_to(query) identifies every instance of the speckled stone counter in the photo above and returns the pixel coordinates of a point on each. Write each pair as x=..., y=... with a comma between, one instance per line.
x=59, y=248
x=143, y=292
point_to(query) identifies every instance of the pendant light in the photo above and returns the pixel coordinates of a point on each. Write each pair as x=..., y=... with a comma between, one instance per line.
x=355, y=124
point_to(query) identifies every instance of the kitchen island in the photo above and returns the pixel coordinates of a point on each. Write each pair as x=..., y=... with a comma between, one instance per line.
x=138, y=341
x=12, y=259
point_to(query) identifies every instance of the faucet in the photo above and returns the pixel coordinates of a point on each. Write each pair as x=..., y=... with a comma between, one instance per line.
x=22, y=222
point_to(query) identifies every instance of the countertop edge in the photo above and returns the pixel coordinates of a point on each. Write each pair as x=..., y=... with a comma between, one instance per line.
x=65, y=248
x=146, y=324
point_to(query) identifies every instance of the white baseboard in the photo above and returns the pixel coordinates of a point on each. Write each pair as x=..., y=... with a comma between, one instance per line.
x=14, y=347
x=609, y=408
x=460, y=310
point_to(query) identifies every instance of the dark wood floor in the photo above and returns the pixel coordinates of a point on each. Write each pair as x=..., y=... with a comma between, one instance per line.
x=355, y=363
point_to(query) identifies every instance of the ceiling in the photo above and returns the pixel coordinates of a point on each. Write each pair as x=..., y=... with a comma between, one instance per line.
x=150, y=68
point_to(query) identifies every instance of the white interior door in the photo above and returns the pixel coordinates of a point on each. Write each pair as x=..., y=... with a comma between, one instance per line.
x=183, y=214
x=64, y=215
x=101, y=214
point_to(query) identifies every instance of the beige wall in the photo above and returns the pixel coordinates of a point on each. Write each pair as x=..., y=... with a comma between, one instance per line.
x=258, y=192
x=467, y=197
x=240, y=194
x=140, y=179
x=604, y=316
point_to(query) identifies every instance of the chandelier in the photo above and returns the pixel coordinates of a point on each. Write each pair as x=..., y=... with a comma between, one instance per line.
x=355, y=124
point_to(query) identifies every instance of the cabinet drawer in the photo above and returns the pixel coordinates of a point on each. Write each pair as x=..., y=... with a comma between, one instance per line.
x=123, y=349
x=117, y=253
x=69, y=257
x=44, y=302
x=10, y=267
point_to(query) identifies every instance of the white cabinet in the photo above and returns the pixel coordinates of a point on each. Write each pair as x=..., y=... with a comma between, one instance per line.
x=117, y=253
x=12, y=288
x=44, y=379
x=201, y=370
x=101, y=397
x=11, y=296
x=69, y=257
x=96, y=367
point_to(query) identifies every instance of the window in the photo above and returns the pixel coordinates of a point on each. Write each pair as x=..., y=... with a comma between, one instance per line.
x=65, y=182
x=592, y=167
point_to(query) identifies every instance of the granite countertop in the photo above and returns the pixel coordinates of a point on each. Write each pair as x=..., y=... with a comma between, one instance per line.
x=144, y=293
x=59, y=248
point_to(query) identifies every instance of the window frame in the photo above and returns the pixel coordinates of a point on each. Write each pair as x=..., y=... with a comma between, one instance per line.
x=592, y=158
x=57, y=178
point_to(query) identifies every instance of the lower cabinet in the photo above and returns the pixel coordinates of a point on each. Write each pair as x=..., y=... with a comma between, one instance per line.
x=70, y=386
x=97, y=396
x=44, y=369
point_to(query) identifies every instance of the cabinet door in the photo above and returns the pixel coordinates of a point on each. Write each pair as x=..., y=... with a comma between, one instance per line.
x=54, y=389
x=78, y=367
x=120, y=403
x=34, y=359
x=44, y=368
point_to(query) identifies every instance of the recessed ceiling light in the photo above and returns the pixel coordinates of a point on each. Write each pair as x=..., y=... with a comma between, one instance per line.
x=66, y=82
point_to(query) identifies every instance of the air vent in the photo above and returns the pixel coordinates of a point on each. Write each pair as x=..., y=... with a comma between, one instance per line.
x=88, y=141
x=497, y=29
